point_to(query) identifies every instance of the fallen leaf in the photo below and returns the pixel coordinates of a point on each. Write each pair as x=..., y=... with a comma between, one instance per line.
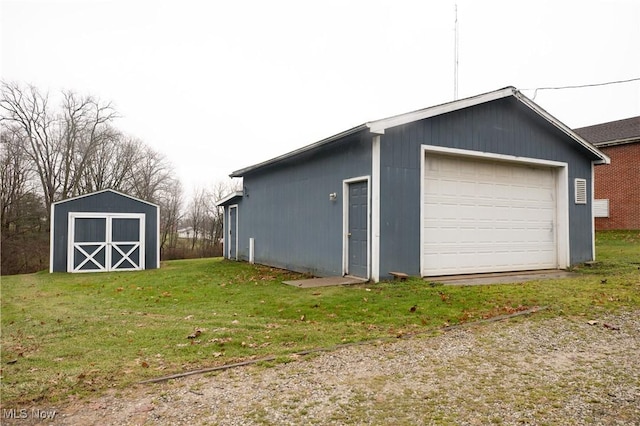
x=144, y=364
x=195, y=334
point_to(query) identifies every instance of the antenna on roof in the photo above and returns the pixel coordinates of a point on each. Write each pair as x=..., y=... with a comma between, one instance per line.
x=455, y=57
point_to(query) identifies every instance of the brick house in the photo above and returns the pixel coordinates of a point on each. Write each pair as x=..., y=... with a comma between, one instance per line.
x=616, y=185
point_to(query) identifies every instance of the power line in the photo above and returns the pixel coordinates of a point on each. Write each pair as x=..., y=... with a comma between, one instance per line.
x=535, y=91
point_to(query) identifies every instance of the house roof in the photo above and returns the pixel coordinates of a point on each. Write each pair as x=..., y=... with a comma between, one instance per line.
x=102, y=191
x=379, y=126
x=612, y=133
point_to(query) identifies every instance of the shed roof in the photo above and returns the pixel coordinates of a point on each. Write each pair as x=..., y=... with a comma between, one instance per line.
x=101, y=192
x=612, y=133
x=379, y=126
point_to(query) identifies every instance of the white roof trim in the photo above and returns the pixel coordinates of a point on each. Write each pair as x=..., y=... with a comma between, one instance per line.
x=229, y=197
x=241, y=172
x=104, y=190
x=379, y=126
x=551, y=119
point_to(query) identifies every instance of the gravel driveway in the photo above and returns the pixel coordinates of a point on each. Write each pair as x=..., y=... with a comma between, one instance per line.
x=522, y=371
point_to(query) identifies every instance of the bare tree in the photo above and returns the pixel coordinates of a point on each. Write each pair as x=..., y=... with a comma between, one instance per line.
x=151, y=174
x=61, y=145
x=112, y=165
x=170, y=202
x=28, y=111
x=15, y=177
x=85, y=130
x=197, y=214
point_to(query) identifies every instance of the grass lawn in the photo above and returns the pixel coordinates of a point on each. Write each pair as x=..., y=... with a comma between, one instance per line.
x=79, y=334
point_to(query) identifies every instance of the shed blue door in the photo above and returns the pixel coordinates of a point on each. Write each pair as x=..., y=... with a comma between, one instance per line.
x=89, y=247
x=358, y=230
x=125, y=244
x=106, y=242
x=233, y=232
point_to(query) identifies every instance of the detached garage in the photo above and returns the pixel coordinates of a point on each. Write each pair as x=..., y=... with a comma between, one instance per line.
x=491, y=183
x=104, y=231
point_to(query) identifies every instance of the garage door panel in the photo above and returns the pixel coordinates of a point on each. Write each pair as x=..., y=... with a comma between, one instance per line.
x=482, y=216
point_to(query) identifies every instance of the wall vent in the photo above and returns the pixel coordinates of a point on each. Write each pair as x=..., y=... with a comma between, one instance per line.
x=581, y=191
x=601, y=208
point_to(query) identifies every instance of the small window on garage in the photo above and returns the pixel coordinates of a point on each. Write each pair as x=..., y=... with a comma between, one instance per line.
x=601, y=208
x=581, y=191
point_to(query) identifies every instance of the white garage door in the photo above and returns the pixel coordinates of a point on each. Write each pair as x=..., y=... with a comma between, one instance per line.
x=487, y=216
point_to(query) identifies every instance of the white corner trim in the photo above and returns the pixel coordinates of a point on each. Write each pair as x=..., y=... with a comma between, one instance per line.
x=157, y=238
x=51, y=236
x=375, y=209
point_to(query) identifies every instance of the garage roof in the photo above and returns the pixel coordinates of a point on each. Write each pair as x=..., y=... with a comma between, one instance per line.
x=379, y=126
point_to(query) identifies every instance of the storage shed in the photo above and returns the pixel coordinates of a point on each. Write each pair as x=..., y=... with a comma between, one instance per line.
x=104, y=231
x=490, y=183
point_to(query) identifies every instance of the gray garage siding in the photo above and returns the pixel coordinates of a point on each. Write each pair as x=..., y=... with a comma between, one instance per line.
x=503, y=126
x=287, y=210
x=103, y=202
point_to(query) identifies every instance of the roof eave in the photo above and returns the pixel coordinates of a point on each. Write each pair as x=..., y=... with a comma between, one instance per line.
x=606, y=144
x=379, y=126
x=228, y=198
x=299, y=151
x=602, y=158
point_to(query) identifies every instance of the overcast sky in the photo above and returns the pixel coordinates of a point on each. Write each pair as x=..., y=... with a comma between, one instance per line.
x=220, y=85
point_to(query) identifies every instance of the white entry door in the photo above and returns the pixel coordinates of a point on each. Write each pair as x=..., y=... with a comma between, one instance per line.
x=487, y=216
x=105, y=242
